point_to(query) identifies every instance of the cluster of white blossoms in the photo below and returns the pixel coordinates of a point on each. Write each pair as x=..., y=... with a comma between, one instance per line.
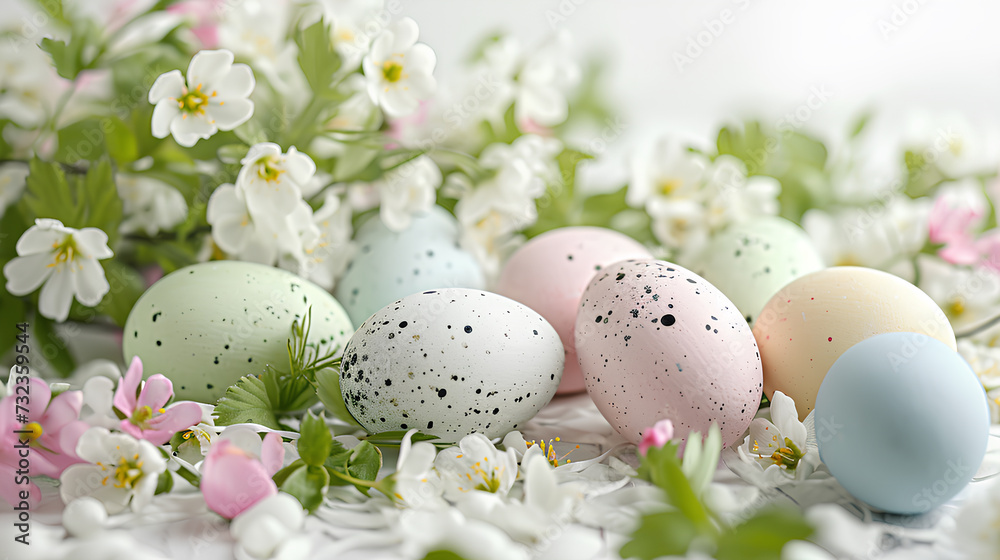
x=264, y=218
x=688, y=197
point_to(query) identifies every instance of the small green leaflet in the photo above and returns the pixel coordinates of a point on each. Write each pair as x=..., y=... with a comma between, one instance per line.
x=328, y=391
x=315, y=441
x=246, y=401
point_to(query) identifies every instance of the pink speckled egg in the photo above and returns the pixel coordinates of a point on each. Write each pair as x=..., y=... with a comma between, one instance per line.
x=655, y=341
x=550, y=272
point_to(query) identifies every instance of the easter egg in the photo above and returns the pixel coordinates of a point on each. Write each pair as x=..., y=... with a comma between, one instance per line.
x=902, y=422
x=389, y=265
x=656, y=341
x=206, y=325
x=550, y=272
x=807, y=325
x=451, y=362
x=751, y=261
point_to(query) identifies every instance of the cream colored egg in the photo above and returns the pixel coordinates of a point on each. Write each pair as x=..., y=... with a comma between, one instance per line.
x=207, y=325
x=807, y=325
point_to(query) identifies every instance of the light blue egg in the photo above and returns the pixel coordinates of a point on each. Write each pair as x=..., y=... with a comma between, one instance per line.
x=389, y=266
x=902, y=422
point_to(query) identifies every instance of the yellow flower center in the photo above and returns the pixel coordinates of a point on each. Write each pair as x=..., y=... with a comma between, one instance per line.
x=486, y=480
x=125, y=473
x=787, y=456
x=34, y=429
x=65, y=250
x=550, y=452
x=667, y=187
x=267, y=170
x=392, y=71
x=956, y=308
x=141, y=416
x=194, y=101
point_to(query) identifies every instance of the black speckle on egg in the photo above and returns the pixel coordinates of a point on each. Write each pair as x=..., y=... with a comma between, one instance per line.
x=468, y=328
x=402, y=324
x=667, y=320
x=159, y=343
x=442, y=393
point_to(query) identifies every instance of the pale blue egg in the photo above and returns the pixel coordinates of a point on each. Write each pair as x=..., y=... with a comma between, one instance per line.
x=389, y=266
x=902, y=422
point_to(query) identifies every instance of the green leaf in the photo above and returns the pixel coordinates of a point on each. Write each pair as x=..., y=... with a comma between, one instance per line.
x=308, y=484
x=48, y=194
x=12, y=312
x=51, y=346
x=442, y=555
x=67, y=58
x=600, y=208
x=662, y=467
x=315, y=441
x=667, y=533
x=339, y=457
x=365, y=461
x=101, y=207
x=317, y=57
x=165, y=482
x=763, y=536
x=246, y=401
x=282, y=475
x=127, y=285
x=328, y=391
x=859, y=125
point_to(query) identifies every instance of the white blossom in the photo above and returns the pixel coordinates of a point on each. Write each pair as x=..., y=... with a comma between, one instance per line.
x=272, y=182
x=544, y=80
x=120, y=471
x=475, y=465
x=12, y=182
x=399, y=70
x=214, y=97
x=149, y=205
x=271, y=528
x=407, y=190
x=63, y=262
x=326, y=260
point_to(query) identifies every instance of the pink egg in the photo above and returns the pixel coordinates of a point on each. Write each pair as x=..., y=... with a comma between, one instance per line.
x=550, y=272
x=656, y=341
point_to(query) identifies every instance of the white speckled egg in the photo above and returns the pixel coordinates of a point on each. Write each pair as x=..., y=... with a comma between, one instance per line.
x=550, y=272
x=751, y=261
x=207, y=325
x=656, y=341
x=391, y=265
x=451, y=362
x=807, y=325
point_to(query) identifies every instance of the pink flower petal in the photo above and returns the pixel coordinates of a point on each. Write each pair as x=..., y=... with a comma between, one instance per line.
x=656, y=436
x=155, y=393
x=11, y=491
x=232, y=481
x=125, y=394
x=62, y=410
x=272, y=453
x=178, y=416
x=40, y=395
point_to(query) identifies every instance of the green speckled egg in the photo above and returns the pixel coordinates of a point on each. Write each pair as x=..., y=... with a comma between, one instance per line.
x=207, y=325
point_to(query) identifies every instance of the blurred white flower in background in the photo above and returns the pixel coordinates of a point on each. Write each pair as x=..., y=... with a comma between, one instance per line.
x=966, y=295
x=424, y=531
x=406, y=190
x=734, y=197
x=327, y=258
x=545, y=78
x=28, y=82
x=984, y=359
x=355, y=24
x=12, y=183
x=271, y=528
x=399, y=70
x=975, y=533
x=63, y=262
x=214, y=97
x=149, y=205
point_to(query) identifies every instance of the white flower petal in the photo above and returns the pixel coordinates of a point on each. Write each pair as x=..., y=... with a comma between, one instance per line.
x=93, y=243
x=56, y=296
x=785, y=417
x=404, y=34
x=207, y=68
x=300, y=167
x=26, y=274
x=163, y=115
x=397, y=102
x=90, y=283
x=420, y=59
x=167, y=86
x=236, y=84
x=39, y=240
x=764, y=439
x=187, y=131
x=230, y=115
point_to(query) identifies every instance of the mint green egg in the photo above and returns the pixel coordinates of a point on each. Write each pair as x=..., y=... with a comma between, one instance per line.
x=207, y=325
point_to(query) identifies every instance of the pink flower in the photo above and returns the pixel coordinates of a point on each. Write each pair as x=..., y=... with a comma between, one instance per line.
x=952, y=220
x=145, y=416
x=233, y=480
x=205, y=19
x=656, y=436
x=53, y=429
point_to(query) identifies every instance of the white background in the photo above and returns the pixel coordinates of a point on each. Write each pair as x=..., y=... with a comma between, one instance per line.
x=940, y=61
